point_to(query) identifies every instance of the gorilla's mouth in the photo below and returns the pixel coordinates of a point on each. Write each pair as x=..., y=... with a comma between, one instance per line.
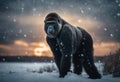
x=51, y=31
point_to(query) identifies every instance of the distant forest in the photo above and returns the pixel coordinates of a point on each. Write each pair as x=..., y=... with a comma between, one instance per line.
x=25, y=59
x=35, y=59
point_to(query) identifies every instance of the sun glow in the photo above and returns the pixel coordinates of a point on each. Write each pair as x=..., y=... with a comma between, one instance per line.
x=43, y=50
x=38, y=52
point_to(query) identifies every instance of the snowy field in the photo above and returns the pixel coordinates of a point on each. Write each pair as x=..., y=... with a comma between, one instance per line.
x=44, y=72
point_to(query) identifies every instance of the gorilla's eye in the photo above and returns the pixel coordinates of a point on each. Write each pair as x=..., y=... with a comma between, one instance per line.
x=58, y=21
x=50, y=22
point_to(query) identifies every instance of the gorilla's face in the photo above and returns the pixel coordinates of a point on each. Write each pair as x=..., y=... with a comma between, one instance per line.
x=52, y=27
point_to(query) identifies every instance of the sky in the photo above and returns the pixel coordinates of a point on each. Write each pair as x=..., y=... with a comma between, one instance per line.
x=22, y=24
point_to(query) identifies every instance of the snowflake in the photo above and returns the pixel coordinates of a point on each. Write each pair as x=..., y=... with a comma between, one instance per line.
x=71, y=6
x=6, y=7
x=42, y=0
x=82, y=54
x=111, y=35
x=66, y=55
x=119, y=5
x=18, y=57
x=25, y=35
x=52, y=3
x=105, y=29
x=8, y=16
x=51, y=61
x=83, y=43
x=117, y=30
x=118, y=14
x=11, y=31
x=34, y=9
x=14, y=20
x=56, y=49
x=22, y=9
x=89, y=8
x=20, y=31
x=61, y=44
x=4, y=37
x=84, y=38
x=3, y=59
x=117, y=1
x=95, y=17
x=81, y=10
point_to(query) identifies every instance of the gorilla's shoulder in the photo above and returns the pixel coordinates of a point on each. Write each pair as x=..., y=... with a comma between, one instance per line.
x=66, y=31
x=67, y=28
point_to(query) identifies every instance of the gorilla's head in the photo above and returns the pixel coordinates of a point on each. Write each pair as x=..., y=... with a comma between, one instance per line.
x=53, y=25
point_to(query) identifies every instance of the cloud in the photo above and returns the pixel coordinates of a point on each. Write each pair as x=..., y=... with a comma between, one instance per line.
x=22, y=23
x=105, y=48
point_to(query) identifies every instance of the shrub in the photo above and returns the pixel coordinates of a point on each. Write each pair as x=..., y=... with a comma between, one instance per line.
x=112, y=64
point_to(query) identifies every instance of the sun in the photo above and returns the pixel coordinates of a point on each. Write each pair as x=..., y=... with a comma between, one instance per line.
x=42, y=50
x=38, y=52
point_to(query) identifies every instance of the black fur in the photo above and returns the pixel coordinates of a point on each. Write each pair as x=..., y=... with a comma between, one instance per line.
x=69, y=45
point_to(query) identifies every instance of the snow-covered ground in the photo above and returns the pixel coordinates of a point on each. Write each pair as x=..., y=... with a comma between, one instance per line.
x=43, y=72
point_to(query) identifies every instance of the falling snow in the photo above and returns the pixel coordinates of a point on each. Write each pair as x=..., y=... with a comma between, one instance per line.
x=89, y=8
x=22, y=9
x=25, y=35
x=118, y=14
x=61, y=44
x=117, y=1
x=14, y=20
x=111, y=35
x=3, y=59
x=34, y=9
x=119, y=5
x=20, y=31
x=82, y=54
x=66, y=55
x=83, y=43
x=105, y=29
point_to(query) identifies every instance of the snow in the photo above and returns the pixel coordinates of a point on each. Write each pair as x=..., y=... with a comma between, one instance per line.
x=14, y=20
x=25, y=35
x=105, y=29
x=38, y=72
x=119, y=5
x=118, y=14
x=111, y=35
x=22, y=9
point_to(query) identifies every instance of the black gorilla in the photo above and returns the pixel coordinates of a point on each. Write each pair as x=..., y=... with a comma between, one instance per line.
x=70, y=44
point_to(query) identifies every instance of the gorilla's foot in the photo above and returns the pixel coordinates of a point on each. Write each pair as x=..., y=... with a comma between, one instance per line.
x=78, y=73
x=61, y=76
x=95, y=77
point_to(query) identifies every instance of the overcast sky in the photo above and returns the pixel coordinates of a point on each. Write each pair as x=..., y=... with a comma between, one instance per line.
x=22, y=30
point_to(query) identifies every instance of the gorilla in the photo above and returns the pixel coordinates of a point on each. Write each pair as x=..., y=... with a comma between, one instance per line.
x=70, y=45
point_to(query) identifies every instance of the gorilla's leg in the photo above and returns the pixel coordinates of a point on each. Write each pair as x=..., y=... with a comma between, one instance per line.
x=55, y=49
x=90, y=68
x=77, y=64
x=88, y=63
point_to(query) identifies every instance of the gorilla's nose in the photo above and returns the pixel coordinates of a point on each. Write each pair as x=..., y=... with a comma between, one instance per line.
x=50, y=29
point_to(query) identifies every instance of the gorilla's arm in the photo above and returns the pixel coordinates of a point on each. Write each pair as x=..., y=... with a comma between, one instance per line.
x=55, y=49
x=65, y=41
